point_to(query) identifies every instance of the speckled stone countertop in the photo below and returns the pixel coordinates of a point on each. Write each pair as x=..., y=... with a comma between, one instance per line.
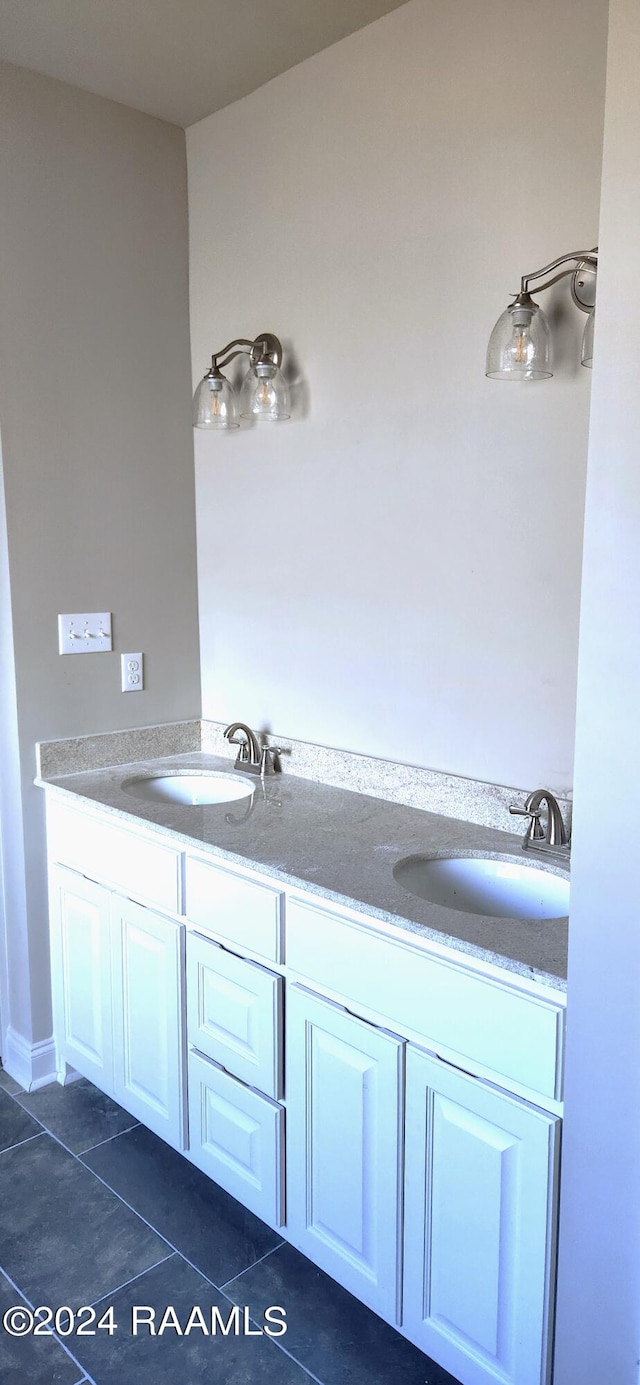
x=343, y=845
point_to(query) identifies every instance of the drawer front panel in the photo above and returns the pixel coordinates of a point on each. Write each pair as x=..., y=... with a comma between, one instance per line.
x=516, y=1036
x=117, y=856
x=247, y=914
x=234, y=1014
x=236, y=1137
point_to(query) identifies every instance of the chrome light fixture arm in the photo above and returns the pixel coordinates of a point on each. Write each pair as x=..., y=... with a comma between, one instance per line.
x=264, y=346
x=579, y=263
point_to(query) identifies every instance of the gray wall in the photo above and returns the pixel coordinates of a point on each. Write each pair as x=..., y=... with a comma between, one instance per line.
x=94, y=415
x=398, y=572
x=598, y=1337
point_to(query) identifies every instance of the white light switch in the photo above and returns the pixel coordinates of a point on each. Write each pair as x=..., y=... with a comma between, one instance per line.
x=131, y=670
x=83, y=633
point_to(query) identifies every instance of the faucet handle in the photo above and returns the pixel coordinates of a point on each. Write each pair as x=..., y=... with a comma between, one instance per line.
x=268, y=757
x=535, y=831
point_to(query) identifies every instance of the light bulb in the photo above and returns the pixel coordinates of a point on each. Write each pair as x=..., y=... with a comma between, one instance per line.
x=520, y=349
x=265, y=396
x=215, y=401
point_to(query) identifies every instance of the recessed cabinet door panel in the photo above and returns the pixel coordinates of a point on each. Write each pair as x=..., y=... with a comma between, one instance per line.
x=479, y=1180
x=81, y=974
x=148, y=1031
x=344, y=1147
x=236, y=1137
x=234, y=1010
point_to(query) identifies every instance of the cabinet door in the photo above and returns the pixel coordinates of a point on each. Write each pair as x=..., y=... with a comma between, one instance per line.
x=344, y=1084
x=149, y=1047
x=81, y=976
x=480, y=1177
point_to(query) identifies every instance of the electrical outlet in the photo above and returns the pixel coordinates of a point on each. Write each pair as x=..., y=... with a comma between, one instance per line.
x=132, y=672
x=85, y=633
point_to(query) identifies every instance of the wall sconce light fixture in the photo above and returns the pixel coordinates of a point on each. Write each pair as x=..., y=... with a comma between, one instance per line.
x=263, y=394
x=520, y=343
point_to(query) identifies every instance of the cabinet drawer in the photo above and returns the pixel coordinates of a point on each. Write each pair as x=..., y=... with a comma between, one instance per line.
x=246, y=913
x=514, y=1035
x=236, y=1137
x=234, y=1014
x=117, y=856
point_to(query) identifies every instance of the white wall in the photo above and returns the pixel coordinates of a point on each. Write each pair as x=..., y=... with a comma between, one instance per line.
x=398, y=571
x=94, y=411
x=598, y=1336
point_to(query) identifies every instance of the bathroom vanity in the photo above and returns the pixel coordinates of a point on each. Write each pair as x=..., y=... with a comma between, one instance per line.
x=384, y=1091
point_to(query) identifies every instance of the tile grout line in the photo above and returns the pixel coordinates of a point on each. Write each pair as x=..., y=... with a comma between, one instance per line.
x=60, y=1340
x=235, y=1277
x=270, y=1339
x=20, y=1143
x=16, y=1097
x=285, y=1351
x=108, y=1140
x=126, y=1282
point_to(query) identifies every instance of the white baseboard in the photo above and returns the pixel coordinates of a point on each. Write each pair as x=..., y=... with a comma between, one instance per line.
x=32, y=1065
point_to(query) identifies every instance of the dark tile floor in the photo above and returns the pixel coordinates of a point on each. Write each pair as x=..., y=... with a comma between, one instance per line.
x=96, y=1211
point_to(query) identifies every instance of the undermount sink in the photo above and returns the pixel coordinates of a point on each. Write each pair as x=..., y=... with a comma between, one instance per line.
x=195, y=789
x=499, y=889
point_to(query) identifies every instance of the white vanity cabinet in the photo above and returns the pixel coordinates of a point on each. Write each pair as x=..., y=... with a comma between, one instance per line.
x=411, y=1117
x=344, y=1147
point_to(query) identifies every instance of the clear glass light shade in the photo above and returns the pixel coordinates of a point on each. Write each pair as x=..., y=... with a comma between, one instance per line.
x=264, y=394
x=214, y=403
x=520, y=345
x=587, y=340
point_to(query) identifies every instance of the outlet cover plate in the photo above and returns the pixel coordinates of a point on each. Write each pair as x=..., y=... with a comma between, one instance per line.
x=131, y=673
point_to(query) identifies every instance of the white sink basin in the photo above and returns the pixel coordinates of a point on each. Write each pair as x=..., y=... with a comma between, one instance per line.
x=482, y=885
x=196, y=789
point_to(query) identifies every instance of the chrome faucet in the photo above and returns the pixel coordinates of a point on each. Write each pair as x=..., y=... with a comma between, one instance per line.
x=252, y=757
x=553, y=837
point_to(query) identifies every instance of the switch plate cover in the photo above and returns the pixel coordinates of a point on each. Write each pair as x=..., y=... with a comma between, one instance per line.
x=85, y=633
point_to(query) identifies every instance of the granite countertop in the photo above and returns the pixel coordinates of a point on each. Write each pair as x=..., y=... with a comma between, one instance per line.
x=343, y=845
